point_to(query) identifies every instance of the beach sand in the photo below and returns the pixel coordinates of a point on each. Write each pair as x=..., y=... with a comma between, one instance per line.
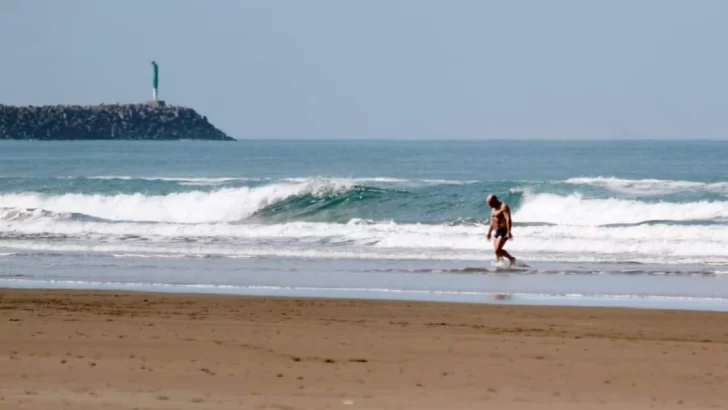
x=125, y=350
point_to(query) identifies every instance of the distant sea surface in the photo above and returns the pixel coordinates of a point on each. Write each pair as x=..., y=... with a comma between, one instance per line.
x=638, y=223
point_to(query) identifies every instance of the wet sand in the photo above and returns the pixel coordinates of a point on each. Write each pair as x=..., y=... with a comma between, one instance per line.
x=125, y=350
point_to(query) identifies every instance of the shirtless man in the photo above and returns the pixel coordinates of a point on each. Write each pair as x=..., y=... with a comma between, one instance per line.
x=500, y=221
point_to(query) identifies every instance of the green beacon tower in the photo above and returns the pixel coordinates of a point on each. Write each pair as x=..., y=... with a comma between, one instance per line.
x=155, y=83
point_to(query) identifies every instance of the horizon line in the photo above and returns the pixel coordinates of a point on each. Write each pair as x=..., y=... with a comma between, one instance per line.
x=444, y=139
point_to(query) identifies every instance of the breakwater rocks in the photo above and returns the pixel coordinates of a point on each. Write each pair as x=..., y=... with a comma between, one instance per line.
x=120, y=121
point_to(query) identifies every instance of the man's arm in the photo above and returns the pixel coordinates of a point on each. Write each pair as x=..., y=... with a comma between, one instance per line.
x=507, y=215
x=490, y=228
x=503, y=209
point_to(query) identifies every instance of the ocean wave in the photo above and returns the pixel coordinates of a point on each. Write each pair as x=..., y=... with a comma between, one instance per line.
x=337, y=206
x=651, y=187
x=575, y=209
x=211, y=180
x=31, y=214
x=104, y=184
x=388, y=180
x=25, y=214
x=343, y=200
x=184, y=181
x=223, y=205
x=223, y=180
x=341, y=218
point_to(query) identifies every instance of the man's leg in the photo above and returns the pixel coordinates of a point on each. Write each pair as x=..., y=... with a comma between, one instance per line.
x=496, y=248
x=500, y=252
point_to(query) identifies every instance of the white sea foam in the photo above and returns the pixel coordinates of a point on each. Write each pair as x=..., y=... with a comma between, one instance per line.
x=576, y=210
x=649, y=186
x=23, y=214
x=654, y=243
x=206, y=251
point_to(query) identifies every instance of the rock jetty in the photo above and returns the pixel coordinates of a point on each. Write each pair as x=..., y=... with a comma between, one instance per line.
x=153, y=121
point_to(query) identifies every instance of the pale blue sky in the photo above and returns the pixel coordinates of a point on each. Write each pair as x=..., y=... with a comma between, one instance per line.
x=385, y=68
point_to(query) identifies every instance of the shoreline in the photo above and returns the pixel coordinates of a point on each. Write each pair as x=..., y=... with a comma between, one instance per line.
x=123, y=350
x=479, y=297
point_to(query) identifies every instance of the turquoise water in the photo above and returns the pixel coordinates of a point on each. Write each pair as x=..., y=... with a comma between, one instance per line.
x=602, y=221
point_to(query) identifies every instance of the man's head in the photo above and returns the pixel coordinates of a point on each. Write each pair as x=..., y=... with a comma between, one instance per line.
x=492, y=201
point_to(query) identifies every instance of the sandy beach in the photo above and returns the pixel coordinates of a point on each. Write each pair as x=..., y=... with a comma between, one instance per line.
x=117, y=350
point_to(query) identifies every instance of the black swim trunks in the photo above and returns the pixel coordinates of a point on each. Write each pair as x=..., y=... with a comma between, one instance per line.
x=500, y=232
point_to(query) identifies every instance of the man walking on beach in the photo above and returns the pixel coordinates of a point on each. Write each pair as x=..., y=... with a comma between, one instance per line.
x=500, y=221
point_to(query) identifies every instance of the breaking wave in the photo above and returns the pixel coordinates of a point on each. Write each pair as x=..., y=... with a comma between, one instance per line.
x=223, y=205
x=384, y=218
x=344, y=200
x=575, y=209
x=650, y=186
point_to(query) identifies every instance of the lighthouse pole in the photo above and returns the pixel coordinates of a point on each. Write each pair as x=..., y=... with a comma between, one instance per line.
x=155, y=84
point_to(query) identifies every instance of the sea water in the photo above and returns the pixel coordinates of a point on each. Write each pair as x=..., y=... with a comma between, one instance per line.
x=626, y=223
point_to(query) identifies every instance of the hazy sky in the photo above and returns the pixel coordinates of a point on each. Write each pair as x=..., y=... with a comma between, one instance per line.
x=385, y=68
